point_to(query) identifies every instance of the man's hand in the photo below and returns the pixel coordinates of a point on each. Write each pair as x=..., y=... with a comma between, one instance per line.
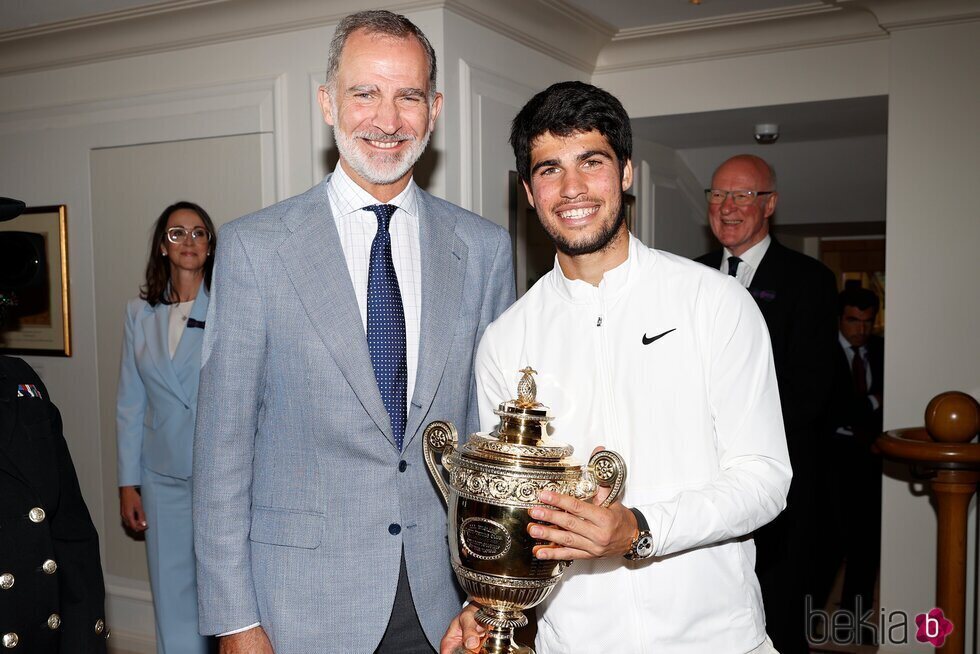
x=583, y=530
x=131, y=509
x=251, y=641
x=464, y=634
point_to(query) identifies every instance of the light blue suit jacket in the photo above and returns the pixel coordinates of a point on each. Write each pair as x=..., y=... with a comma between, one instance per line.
x=302, y=505
x=156, y=403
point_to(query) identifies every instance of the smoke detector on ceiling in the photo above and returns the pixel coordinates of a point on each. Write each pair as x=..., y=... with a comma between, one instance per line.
x=766, y=133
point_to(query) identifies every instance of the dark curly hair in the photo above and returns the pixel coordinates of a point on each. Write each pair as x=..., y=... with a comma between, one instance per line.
x=568, y=108
x=156, y=290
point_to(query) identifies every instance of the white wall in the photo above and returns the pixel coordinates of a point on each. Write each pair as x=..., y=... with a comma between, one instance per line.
x=804, y=165
x=933, y=341
x=488, y=77
x=670, y=203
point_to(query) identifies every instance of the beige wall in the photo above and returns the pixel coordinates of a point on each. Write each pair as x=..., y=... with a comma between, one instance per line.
x=933, y=229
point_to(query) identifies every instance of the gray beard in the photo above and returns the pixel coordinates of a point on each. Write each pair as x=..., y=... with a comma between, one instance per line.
x=379, y=169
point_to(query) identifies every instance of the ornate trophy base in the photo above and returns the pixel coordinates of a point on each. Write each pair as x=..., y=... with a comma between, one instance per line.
x=501, y=625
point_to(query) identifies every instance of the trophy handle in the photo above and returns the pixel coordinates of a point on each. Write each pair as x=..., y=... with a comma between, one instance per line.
x=441, y=437
x=609, y=470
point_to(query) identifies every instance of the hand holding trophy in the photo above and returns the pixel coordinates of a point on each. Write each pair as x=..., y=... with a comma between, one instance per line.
x=494, y=480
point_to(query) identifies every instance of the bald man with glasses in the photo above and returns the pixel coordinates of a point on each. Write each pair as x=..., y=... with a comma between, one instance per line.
x=797, y=296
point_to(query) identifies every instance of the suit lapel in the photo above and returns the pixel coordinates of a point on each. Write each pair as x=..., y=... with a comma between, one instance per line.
x=766, y=276
x=156, y=327
x=315, y=263
x=443, y=271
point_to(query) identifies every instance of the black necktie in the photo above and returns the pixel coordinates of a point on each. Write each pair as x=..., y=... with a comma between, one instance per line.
x=858, y=372
x=733, y=265
x=386, y=324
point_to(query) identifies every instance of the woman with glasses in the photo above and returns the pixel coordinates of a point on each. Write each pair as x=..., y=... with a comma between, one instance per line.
x=156, y=407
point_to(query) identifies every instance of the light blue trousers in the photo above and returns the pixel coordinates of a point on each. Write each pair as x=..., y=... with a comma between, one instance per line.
x=170, y=556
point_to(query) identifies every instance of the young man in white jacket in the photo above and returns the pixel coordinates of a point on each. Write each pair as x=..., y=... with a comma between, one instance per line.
x=656, y=357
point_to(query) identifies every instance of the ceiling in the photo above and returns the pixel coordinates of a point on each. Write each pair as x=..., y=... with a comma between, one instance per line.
x=622, y=14
x=625, y=14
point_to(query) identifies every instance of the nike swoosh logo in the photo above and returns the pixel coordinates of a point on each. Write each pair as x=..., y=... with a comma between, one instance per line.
x=647, y=340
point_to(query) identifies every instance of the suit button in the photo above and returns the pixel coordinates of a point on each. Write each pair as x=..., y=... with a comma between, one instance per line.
x=36, y=514
x=54, y=621
x=6, y=581
x=402, y=466
x=394, y=529
x=99, y=626
x=10, y=640
x=49, y=567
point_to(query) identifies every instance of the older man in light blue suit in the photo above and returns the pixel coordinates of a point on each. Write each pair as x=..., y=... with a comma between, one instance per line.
x=317, y=528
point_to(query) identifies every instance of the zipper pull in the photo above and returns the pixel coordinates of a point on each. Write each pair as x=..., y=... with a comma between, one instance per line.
x=599, y=322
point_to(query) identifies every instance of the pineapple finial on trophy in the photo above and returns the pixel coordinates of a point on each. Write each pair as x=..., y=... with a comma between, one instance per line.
x=527, y=390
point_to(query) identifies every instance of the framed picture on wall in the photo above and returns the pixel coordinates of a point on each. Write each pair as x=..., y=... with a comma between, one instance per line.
x=34, y=270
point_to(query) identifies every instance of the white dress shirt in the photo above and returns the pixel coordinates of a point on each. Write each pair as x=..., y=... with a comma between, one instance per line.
x=751, y=259
x=357, y=229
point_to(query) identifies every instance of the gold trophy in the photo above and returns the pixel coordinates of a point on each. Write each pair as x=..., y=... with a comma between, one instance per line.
x=493, y=480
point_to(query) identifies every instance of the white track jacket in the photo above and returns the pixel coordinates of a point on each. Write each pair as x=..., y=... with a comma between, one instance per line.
x=667, y=362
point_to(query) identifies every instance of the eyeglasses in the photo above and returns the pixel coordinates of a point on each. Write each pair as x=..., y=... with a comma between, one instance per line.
x=740, y=198
x=178, y=234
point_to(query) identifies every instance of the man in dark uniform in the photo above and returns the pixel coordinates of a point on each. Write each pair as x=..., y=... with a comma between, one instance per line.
x=52, y=595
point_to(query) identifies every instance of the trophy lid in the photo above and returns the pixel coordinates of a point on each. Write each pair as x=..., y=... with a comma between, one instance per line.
x=523, y=429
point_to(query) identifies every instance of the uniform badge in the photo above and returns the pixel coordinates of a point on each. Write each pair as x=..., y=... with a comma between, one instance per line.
x=28, y=390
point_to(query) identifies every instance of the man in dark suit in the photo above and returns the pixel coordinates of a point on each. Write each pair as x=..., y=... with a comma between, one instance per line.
x=52, y=596
x=853, y=470
x=797, y=297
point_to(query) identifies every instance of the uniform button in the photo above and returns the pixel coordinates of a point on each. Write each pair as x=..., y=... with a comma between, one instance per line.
x=6, y=581
x=10, y=640
x=36, y=514
x=99, y=626
x=49, y=567
x=394, y=529
x=54, y=621
x=402, y=465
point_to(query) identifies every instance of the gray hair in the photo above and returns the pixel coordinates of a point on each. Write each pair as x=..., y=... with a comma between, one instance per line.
x=378, y=21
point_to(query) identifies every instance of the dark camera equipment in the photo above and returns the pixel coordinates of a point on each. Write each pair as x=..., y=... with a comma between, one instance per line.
x=22, y=261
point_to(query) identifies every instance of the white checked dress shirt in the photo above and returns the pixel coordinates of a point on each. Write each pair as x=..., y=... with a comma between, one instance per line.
x=357, y=229
x=751, y=259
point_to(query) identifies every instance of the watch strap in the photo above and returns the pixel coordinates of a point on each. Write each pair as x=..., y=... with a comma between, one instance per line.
x=641, y=521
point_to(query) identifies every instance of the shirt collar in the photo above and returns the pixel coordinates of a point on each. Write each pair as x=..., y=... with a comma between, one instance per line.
x=610, y=286
x=846, y=344
x=752, y=256
x=347, y=197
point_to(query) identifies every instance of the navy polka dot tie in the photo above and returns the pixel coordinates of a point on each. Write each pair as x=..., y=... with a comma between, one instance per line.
x=386, y=324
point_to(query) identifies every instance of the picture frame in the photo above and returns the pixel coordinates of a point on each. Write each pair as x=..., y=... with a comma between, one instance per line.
x=532, y=249
x=34, y=246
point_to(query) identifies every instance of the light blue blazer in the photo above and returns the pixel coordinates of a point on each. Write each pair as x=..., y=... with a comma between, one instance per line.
x=156, y=404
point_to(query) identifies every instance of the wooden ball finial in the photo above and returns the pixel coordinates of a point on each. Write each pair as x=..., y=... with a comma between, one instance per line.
x=953, y=417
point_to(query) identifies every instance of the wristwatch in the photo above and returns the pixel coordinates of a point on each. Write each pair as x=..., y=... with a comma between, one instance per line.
x=642, y=546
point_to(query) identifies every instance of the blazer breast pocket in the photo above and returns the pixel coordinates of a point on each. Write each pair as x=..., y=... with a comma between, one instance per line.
x=286, y=528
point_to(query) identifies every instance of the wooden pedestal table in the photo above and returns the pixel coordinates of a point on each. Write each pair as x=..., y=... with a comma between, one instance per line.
x=944, y=455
